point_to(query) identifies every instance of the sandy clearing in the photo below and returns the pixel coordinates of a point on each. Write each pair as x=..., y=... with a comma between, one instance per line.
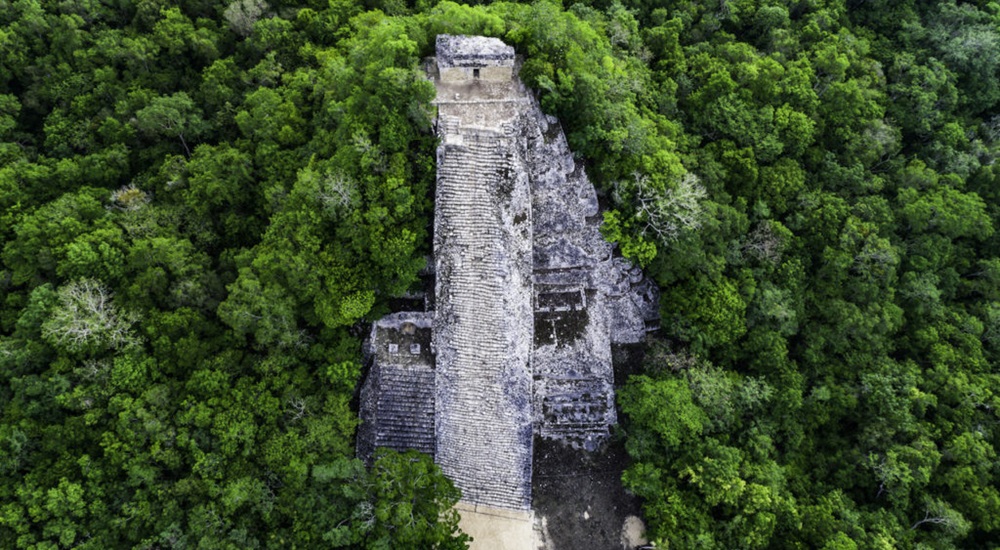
x=496, y=528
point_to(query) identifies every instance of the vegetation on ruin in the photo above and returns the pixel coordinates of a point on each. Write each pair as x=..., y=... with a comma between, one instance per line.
x=202, y=204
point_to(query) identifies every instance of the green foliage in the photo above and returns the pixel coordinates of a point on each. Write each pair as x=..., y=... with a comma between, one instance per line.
x=705, y=467
x=839, y=273
x=198, y=203
x=172, y=116
x=201, y=204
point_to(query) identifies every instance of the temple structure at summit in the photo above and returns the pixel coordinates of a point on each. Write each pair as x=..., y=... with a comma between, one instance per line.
x=528, y=296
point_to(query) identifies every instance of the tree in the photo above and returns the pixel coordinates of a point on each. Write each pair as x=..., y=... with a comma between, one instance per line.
x=968, y=43
x=42, y=236
x=409, y=504
x=9, y=109
x=708, y=313
x=242, y=14
x=922, y=94
x=666, y=213
x=171, y=116
x=87, y=320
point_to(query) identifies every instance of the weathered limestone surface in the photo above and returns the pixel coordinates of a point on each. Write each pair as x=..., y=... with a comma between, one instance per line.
x=397, y=400
x=482, y=329
x=467, y=58
x=529, y=297
x=574, y=393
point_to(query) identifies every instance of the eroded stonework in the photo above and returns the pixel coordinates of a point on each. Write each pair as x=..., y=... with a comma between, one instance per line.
x=529, y=296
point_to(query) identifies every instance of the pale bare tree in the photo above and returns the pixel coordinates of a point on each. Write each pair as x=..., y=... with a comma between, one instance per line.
x=242, y=14
x=129, y=198
x=662, y=356
x=939, y=513
x=884, y=473
x=883, y=141
x=764, y=244
x=86, y=317
x=94, y=369
x=297, y=408
x=668, y=212
x=364, y=145
x=337, y=191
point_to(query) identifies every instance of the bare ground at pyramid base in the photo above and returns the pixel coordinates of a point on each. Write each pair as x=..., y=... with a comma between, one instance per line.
x=579, y=497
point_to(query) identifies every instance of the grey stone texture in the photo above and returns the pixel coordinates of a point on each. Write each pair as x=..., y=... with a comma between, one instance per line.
x=529, y=297
x=472, y=51
x=398, y=397
x=469, y=58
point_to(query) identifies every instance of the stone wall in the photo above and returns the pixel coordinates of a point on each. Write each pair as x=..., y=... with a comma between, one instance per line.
x=469, y=74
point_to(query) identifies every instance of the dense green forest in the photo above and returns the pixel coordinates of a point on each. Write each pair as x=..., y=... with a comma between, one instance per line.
x=203, y=203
